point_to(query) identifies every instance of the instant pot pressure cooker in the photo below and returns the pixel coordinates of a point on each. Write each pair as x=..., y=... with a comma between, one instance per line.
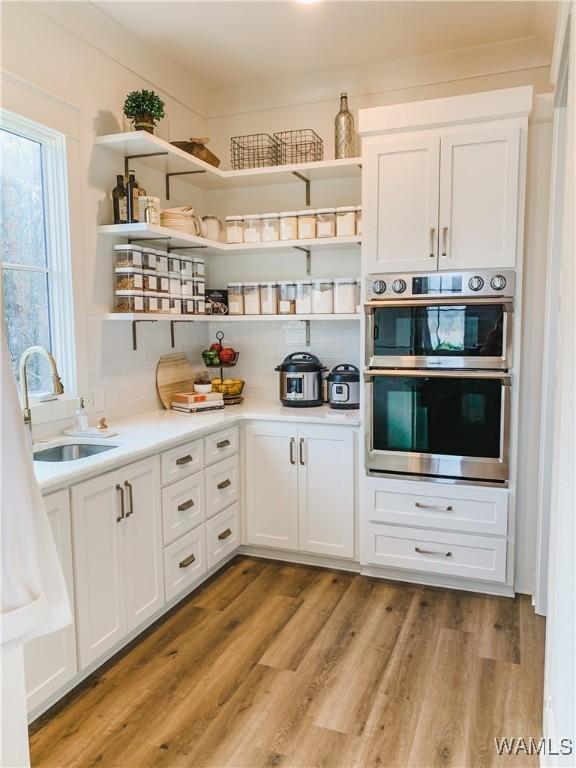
x=301, y=380
x=344, y=387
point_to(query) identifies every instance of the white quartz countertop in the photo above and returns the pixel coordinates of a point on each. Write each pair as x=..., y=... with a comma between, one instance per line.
x=149, y=433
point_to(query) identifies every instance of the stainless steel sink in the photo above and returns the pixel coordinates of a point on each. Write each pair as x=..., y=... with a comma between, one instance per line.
x=71, y=452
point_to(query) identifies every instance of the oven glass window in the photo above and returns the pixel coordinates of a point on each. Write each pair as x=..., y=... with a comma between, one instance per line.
x=457, y=331
x=437, y=415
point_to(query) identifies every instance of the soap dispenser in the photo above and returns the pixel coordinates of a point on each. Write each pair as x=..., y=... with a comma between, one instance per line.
x=81, y=417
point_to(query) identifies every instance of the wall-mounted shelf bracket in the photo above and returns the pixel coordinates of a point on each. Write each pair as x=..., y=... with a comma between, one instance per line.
x=307, y=332
x=146, y=239
x=306, y=182
x=186, y=247
x=308, y=252
x=127, y=159
x=172, y=328
x=177, y=173
x=134, y=331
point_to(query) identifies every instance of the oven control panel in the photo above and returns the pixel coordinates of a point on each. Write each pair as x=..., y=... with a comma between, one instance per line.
x=480, y=282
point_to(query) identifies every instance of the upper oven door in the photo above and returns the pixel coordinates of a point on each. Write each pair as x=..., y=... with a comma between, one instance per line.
x=439, y=333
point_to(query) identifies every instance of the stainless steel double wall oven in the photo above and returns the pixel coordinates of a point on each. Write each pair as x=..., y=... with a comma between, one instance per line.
x=438, y=356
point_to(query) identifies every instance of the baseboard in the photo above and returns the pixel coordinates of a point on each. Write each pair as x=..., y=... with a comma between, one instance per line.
x=429, y=580
x=268, y=553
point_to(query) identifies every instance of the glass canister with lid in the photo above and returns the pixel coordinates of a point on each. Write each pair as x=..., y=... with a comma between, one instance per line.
x=252, y=228
x=234, y=226
x=346, y=221
x=235, y=298
x=270, y=227
x=251, y=298
x=306, y=224
x=326, y=222
x=288, y=222
x=287, y=297
x=304, y=297
x=269, y=298
x=186, y=267
x=128, y=256
x=173, y=265
x=323, y=297
x=149, y=259
x=345, y=295
x=198, y=267
x=161, y=261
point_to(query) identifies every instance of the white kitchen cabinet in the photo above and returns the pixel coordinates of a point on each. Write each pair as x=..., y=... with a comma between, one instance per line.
x=183, y=506
x=117, y=555
x=479, y=178
x=326, y=490
x=271, y=485
x=300, y=488
x=400, y=199
x=222, y=482
x=50, y=660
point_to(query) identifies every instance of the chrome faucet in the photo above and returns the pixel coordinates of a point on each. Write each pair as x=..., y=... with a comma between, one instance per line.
x=57, y=387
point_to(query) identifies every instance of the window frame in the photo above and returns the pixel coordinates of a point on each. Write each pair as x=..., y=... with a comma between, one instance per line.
x=57, y=240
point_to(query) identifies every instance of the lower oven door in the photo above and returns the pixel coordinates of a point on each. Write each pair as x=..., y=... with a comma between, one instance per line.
x=447, y=424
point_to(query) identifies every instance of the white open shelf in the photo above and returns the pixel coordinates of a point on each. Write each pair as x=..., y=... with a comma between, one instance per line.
x=174, y=160
x=181, y=239
x=227, y=318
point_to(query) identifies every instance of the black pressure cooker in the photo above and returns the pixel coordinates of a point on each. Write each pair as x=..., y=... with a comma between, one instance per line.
x=344, y=387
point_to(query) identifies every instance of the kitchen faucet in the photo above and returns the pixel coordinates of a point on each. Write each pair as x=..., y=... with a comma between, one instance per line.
x=57, y=387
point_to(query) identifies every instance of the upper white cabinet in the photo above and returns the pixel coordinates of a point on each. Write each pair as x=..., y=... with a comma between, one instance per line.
x=400, y=200
x=479, y=198
x=300, y=488
x=50, y=660
x=443, y=202
x=117, y=536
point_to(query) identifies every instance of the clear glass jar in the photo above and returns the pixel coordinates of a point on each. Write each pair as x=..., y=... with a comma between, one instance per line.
x=129, y=301
x=173, y=265
x=186, y=267
x=163, y=284
x=326, y=222
x=304, y=297
x=150, y=282
x=346, y=221
x=128, y=256
x=200, y=306
x=187, y=306
x=287, y=298
x=359, y=220
x=234, y=226
x=323, y=297
x=269, y=298
x=198, y=267
x=251, y=298
x=150, y=301
x=175, y=287
x=235, y=298
x=128, y=279
x=288, y=221
x=306, y=225
x=198, y=287
x=345, y=296
x=270, y=227
x=175, y=304
x=161, y=261
x=149, y=260
x=252, y=229
x=186, y=287
x=163, y=304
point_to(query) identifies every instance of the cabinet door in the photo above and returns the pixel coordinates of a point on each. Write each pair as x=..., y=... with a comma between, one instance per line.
x=271, y=485
x=326, y=490
x=50, y=660
x=479, y=198
x=143, y=561
x=400, y=199
x=98, y=535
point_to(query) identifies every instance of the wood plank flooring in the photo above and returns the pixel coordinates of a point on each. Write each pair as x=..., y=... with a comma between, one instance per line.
x=279, y=665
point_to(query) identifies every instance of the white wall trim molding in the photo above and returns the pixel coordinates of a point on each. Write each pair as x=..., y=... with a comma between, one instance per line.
x=561, y=42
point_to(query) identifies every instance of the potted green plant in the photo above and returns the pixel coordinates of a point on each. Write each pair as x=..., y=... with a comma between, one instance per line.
x=144, y=108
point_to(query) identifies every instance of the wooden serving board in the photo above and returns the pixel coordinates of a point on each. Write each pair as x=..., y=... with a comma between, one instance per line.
x=174, y=374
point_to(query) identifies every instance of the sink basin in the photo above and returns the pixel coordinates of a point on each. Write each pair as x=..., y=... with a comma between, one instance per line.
x=71, y=452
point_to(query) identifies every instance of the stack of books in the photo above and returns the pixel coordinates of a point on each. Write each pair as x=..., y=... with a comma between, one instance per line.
x=193, y=402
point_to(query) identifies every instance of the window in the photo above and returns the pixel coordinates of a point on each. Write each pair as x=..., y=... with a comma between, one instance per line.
x=35, y=271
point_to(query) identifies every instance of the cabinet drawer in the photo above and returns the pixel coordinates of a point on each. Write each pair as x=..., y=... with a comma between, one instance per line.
x=453, y=554
x=182, y=461
x=221, y=445
x=184, y=562
x=222, y=535
x=476, y=514
x=222, y=485
x=183, y=506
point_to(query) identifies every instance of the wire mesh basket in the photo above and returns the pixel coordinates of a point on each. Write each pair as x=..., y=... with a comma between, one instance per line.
x=300, y=146
x=257, y=150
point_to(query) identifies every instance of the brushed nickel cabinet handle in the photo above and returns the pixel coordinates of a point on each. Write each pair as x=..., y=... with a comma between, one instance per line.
x=224, y=484
x=187, y=561
x=130, y=499
x=183, y=460
x=223, y=444
x=431, y=552
x=301, y=451
x=121, y=516
x=444, y=242
x=225, y=534
x=437, y=508
x=292, y=460
x=432, y=242
x=185, y=505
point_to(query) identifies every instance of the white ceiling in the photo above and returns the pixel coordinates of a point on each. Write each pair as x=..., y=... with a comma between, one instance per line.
x=232, y=43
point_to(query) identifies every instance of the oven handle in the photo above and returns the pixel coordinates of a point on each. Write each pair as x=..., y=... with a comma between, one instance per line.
x=435, y=373
x=456, y=301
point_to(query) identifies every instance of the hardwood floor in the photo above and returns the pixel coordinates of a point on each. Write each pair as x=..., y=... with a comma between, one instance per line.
x=271, y=664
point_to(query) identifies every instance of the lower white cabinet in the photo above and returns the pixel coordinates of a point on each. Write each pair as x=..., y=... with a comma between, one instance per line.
x=117, y=537
x=50, y=660
x=300, y=488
